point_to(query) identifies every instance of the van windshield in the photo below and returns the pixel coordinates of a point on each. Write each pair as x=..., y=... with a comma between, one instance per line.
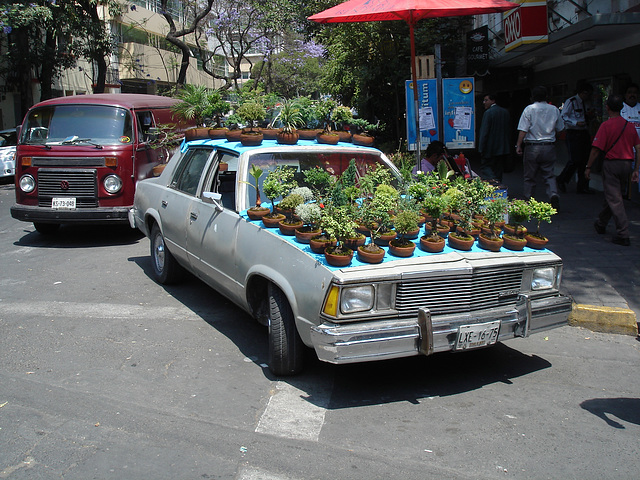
x=77, y=124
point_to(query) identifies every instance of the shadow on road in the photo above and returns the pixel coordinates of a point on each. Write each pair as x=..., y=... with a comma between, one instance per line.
x=81, y=236
x=626, y=409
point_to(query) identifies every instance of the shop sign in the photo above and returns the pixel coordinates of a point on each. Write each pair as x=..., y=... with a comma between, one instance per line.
x=526, y=24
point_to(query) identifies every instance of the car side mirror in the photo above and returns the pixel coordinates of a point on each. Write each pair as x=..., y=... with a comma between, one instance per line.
x=214, y=199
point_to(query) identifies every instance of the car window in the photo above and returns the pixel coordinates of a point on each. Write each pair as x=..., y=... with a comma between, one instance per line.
x=190, y=170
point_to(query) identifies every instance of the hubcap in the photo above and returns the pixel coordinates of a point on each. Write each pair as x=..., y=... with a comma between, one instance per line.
x=159, y=253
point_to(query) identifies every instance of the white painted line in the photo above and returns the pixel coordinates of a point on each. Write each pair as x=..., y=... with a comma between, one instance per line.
x=255, y=474
x=290, y=414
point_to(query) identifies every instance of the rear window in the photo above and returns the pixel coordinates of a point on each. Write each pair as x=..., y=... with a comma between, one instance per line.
x=100, y=124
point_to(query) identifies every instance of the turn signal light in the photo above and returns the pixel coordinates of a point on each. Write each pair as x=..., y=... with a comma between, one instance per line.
x=331, y=304
x=111, y=161
x=25, y=161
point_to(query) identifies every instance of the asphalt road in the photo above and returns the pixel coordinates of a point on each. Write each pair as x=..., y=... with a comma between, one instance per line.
x=106, y=375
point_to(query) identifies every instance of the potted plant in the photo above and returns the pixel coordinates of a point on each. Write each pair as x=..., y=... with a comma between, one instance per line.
x=337, y=222
x=257, y=211
x=433, y=239
x=251, y=112
x=288, y=205
x=519, y=212
x=278, y=183
x=363, y=132
x=233, y=124
x=495, y=210
x=310, y=214
x=323, y=113
x=461, y=238
x=404, y=222
x=309, y=128
x=192, y=107
x=320, y=182
x=388, y=197
x=216, y=108
x=291, y=118
x=540, y=212
x=341, y=117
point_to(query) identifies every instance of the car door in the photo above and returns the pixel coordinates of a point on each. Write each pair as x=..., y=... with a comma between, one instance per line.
x=212, y=234
x=176, y=201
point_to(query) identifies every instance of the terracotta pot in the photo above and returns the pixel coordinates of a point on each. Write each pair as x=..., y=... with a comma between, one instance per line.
x=287, y=138
x=233, y=135
x=256, y=213
x=363, y=230
x=413, y=234
x=308, y=134
x=431, y=246
x=455, y=217
x=491, y=244
x=328, y=138
x=223, y=167
x=355, y=242
x=196, y=133
x=318, y=246
x=383, y=240
x=272, y=221
x=460, y=243
x=474, y=232
x=443, y=230
x=362, y=140
x=341, y=260
x=344, y=136
x=401, y=250
x=303, y=236
x=218, y=133
x=370, y=257
x=485, y=229
x=288, y=228
x=511, y=229
x=270, y=133
x=513, y=243
x=252, y=139
x=535, y=241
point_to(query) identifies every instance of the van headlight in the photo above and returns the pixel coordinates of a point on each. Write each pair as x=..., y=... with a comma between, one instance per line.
x=27, y=183
x=543, y=278
x=112, y=183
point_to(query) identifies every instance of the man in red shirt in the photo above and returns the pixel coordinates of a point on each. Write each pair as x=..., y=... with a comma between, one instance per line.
x=617, y=138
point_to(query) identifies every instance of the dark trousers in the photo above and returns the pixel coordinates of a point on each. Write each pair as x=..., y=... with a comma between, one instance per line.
x=492, y=168
x=579, y=143
x=615, y=174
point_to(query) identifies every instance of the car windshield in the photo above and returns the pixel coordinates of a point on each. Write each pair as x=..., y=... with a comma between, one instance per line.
x=334, y=162
x=77, y=124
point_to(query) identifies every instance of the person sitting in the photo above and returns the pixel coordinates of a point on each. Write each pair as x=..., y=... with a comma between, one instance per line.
x=434, y=153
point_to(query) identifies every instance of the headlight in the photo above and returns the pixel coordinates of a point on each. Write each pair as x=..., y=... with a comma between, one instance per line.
x=357, y=299
x=27, y=183
x=543, y=278
x=112, y=183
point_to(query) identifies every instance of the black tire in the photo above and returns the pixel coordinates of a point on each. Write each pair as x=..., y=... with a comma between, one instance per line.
x=286, y=350
x=46, y=228
x=166, y=270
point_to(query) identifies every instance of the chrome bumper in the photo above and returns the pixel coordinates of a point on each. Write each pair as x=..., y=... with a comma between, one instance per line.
x=386, y=339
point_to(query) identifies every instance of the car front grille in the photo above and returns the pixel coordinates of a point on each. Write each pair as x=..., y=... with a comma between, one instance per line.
x=81, y=184
x=466, y=291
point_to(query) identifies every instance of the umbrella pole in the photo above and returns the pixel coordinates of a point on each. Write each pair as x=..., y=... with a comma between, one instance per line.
x=414, y=79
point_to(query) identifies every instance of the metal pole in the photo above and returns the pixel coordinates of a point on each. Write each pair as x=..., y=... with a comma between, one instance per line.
x=416, y=106
x=438, y=55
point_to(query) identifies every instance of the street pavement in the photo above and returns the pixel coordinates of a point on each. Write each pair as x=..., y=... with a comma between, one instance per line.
x=602, y=278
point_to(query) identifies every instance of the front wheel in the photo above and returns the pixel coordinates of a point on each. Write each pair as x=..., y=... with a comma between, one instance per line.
x=166, y=270
x=286, y=350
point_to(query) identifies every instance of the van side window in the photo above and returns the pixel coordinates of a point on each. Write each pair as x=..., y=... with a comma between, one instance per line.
x=145, y=122
x=190, y=170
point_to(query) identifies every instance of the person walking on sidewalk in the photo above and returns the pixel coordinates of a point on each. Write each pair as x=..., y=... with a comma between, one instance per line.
x=631, y=108
x=537, y=129
x=574, y=115
x=494, y=139
x=617, y=138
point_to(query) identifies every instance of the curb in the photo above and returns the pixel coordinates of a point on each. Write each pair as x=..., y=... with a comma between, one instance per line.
x=604, y=319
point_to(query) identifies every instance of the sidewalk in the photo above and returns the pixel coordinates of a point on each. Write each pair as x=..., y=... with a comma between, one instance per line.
x=600, y=277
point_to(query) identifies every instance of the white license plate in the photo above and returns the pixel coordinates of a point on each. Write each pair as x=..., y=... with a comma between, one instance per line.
x=63, y=203
x=477, y=335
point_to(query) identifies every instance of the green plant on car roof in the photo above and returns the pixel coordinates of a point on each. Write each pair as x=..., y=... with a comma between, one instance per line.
x=252, y=112
x=541, y=212
x=290, y=114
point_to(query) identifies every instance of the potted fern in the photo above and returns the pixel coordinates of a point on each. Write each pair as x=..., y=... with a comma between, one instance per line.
x=291, y=117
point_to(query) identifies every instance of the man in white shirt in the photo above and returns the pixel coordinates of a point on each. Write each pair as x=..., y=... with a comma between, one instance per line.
x=631, y=108
x=537, y=129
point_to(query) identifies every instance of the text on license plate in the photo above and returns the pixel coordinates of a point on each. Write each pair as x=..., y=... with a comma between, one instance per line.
x=63, y=203
x=477, y=335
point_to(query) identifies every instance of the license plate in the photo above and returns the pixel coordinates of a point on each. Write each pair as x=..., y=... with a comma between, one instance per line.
x=477, y=335
x=63, y=203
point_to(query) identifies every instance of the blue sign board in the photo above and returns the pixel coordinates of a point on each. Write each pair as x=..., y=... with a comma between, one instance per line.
x=458, y=108
x=428, y=111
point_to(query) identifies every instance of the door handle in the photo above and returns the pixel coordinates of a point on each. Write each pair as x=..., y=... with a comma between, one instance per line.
x=193, y=215
x=164, y=204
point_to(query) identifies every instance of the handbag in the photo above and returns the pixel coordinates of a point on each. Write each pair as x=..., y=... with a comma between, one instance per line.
x=596, y=167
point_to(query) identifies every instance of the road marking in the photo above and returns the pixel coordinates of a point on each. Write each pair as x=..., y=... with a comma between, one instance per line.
x=256, y=474
x=294, y=412
x=96, y=310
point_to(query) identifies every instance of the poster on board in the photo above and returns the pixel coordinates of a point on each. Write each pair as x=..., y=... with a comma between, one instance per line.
x=458, y=112
x=427, y=111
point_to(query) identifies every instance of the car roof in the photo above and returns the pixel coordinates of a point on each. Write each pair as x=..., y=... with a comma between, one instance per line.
x=125, y=100
x=271, y=145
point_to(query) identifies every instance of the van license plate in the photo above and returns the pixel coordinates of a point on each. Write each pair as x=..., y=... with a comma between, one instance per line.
x=477, y=335
x=63, y=203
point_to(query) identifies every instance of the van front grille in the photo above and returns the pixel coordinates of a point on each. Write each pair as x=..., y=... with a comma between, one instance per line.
x=81, y=184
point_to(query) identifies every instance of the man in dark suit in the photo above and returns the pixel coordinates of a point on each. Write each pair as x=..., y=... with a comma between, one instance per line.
x=494, y=139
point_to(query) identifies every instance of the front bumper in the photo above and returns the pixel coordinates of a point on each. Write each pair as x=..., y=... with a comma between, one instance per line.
x=386, y=339
x=28, y=213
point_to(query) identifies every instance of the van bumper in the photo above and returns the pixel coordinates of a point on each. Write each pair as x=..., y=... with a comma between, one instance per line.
x=27, y=213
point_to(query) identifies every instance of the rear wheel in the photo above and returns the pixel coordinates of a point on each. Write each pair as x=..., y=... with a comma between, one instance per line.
x=166, y=269
x=46, y=228
x=286, y=350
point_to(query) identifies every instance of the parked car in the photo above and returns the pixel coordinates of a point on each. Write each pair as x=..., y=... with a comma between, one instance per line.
x=195, y=216
x=8, y=141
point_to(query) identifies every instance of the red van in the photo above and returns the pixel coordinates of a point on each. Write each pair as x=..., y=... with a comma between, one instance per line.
x=78, y=158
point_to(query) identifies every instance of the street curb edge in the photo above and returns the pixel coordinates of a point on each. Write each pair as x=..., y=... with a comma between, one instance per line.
x=604, y=319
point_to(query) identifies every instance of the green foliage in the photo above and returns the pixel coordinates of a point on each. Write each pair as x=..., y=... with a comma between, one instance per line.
x=519, y=211
x=256, y=172
x=405, y=221
x=541, y=212
x=278, y=183
x=289, y=204
x=338, y=223
x=495, y=210
x=252, y=112
x=434, y=206
x=341, y=116
x=290, y=115
x=310, y=214
x=319, y=180
x=304, y=192
x=322, y=112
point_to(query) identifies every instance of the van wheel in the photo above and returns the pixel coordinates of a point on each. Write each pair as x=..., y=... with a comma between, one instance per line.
x=286, y=350
x=166, y=270
x=46, y=228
